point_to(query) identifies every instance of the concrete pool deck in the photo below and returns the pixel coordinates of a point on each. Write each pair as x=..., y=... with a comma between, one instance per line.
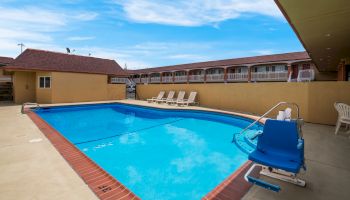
x=33, y=169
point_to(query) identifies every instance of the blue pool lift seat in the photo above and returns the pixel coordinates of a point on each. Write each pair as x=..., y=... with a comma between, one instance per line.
x=280, y=151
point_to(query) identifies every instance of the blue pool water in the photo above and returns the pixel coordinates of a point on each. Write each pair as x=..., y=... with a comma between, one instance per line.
x=157, y=154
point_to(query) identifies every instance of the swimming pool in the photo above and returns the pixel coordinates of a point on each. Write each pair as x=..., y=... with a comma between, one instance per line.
x=156, y=153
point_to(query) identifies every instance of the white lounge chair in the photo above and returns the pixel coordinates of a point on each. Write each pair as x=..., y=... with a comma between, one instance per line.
x=191, y=100
x=343, y=115
x=159, y=97
x=180, y=97
x=169, y=97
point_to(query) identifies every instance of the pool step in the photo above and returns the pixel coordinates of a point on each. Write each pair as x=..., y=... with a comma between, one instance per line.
x=248, y=138
x=244, y=141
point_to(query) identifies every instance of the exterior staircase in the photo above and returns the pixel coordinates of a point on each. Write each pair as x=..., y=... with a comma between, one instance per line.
x=6, y=91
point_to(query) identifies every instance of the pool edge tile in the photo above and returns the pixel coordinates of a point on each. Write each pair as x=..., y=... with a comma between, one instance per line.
x=225, y=190
x=60, y=143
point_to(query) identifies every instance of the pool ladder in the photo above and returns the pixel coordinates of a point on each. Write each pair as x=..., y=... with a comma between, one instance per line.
x=299, y=120
x=35, y=106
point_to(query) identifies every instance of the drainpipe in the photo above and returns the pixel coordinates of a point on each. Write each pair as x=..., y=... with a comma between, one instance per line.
x=205, y=75
x=249, y=74
x=161, y=76
x=290, y=71
x=225, y=74
x=188, y=76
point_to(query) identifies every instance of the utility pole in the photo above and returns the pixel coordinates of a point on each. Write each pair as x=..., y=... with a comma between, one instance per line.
x=22, y=45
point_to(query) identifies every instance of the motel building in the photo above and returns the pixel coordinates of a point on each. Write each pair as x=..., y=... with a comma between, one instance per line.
x=288, y=67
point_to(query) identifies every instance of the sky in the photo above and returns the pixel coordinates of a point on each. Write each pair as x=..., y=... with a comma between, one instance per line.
x=147, y=33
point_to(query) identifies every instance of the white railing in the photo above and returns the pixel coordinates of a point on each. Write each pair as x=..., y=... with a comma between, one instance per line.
x=196, y=78
x=180, y=79
x=144, y=80
x=118, y=80
x=167, y=79
x=237, y=77
x=270, y=76
x=5, y=79
x=306, y=75
x=155, y=80
x=215, y=77
x=136, y=80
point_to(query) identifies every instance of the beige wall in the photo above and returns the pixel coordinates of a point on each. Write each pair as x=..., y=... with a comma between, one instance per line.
x=65, y=88
x=43, y=95
x=24, y=87
x=116, y=91
x=79, y=87
x=315, y=99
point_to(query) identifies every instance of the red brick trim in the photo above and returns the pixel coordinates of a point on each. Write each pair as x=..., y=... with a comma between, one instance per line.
x=234, y=187
x=99, y=181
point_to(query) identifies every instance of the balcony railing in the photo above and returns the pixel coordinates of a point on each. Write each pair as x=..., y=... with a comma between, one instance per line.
x=270, y=76
x=306, y=75
x=118, y=80
x=5, y=79
x=167, y=79
x=155, y=80
x=196, y=78
x=180, y=79
x=237, y=77
x=136, y=80
x=215, y=77
x=144, y=80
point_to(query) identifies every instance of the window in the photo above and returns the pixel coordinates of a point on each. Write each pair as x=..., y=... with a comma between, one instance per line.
x=44, y=82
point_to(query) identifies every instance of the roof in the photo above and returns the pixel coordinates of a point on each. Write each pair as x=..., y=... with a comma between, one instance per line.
x=323, y=30
x=255, y=60
x=5, y=60
x=41, y=60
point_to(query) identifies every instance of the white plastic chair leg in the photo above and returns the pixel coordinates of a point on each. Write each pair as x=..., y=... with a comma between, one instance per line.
x=337, y=127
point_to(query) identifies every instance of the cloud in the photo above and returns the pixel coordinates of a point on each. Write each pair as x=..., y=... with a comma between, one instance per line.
x=85, y=16
x=195, y=12
x=35, y=27
x=263, y=51
x=190, y=57
x=32, y=15
x=80, y=38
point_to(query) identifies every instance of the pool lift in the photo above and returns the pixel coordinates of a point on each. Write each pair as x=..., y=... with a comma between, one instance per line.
x=280, y=149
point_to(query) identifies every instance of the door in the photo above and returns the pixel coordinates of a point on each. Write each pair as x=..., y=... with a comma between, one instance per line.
x=295, y=71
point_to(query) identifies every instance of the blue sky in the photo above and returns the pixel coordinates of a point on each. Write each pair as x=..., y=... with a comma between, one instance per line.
x=147, y=33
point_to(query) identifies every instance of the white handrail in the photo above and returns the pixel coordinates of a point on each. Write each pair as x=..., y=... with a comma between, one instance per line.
x=266, y=113
x=29, y=104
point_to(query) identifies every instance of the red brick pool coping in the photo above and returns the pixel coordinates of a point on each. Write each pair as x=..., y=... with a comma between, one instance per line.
x=107, y=187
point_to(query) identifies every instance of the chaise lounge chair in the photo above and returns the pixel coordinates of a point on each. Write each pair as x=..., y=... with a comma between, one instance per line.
x=191, y=100
x=169, y=97
x=180, y=97
x=159, y=97
x=280, y=152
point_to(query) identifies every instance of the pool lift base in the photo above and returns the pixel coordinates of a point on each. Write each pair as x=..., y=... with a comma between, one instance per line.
x=273, y=173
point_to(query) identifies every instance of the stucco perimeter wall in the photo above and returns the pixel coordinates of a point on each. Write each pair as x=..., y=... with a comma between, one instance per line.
x=116, y=91
x=315, y=99
x=81, y=87
x=24, y=84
